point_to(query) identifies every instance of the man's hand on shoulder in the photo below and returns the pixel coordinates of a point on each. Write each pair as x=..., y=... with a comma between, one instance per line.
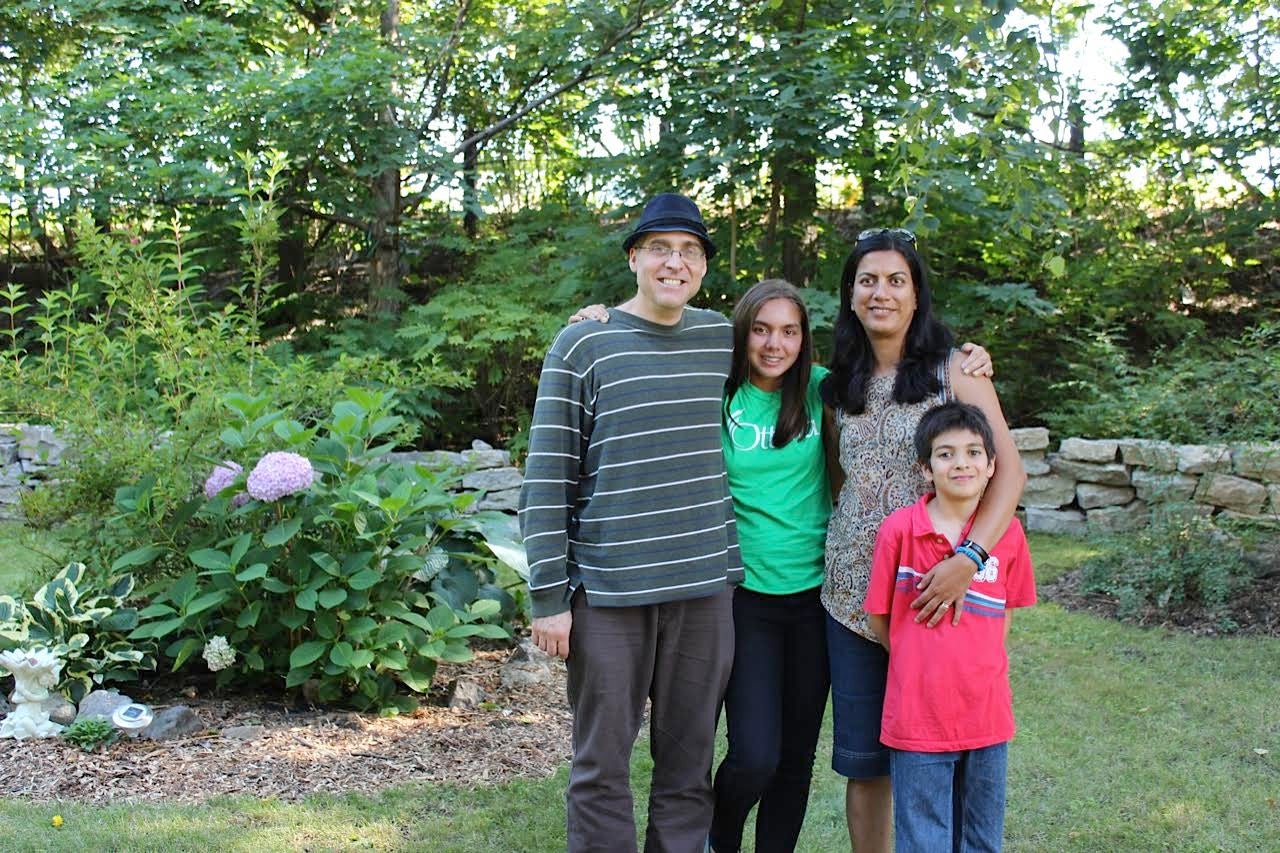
x=551, y=633
x=595, y=312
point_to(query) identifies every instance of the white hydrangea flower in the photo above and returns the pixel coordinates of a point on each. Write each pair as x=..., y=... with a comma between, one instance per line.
x=218, y=653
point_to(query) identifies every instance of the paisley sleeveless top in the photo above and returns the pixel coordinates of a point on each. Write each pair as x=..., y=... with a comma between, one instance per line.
x=881, y=475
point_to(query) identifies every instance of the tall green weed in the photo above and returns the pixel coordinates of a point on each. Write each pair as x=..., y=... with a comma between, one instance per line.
x=130, y=360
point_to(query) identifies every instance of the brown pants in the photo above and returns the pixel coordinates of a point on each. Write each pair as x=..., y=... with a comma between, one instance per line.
x=678, y=655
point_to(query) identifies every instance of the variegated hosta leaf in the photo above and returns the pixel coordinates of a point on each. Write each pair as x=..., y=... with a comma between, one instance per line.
x=433, y=563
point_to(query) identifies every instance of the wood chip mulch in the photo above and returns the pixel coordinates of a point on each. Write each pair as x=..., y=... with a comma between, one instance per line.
x=516, y=732
x=1252, y=612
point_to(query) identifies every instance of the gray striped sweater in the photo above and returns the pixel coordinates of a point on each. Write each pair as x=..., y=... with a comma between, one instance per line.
x=625, y=490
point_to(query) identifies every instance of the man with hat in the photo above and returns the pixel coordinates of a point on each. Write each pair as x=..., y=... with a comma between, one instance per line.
x=629, y=529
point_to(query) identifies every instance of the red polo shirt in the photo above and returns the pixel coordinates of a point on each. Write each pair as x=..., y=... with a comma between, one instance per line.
x=948, y=686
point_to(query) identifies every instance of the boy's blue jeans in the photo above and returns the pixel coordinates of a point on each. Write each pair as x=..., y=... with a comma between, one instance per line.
x=949, y=800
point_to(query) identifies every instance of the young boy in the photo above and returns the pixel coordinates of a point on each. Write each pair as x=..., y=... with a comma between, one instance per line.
x=948, y=710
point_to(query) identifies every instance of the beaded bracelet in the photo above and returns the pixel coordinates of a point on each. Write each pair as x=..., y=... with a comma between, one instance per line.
x=972, y=555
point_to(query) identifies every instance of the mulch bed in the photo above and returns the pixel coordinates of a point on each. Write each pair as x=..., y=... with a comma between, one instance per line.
x=517, y=732
x=1253, y=612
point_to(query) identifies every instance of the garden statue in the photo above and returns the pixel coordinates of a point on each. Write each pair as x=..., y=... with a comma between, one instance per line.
x=34, y=673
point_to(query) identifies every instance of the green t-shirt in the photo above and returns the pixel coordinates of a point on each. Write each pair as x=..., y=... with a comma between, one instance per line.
x=781, y=496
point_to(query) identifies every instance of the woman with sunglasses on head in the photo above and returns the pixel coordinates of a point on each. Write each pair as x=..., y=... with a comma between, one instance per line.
x=893, y=360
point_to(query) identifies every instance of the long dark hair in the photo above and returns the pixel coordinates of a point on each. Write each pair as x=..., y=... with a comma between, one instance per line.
x=793, y=414
x=927, y=343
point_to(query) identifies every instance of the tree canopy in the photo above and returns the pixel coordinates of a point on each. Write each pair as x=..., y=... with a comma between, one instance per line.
x=455, y=167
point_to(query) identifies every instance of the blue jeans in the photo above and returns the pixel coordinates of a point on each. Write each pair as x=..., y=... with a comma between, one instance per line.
x=949, y=800
x=858, y=671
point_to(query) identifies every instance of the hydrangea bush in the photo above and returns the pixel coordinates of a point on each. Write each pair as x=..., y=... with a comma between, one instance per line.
x=326, y=565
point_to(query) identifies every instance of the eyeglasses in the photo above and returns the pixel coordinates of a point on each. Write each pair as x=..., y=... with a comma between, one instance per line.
x=662, y=252
x=900, y=233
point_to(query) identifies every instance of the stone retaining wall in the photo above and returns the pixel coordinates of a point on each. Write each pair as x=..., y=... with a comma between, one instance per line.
x=1106, y=485
x=29, y=456
x=1086, y=486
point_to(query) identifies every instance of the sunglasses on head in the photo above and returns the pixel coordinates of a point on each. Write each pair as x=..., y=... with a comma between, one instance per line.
x=901, y=233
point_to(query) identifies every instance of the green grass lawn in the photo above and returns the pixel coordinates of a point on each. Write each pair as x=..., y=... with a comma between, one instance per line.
x=1129, y=739
x=28, y=558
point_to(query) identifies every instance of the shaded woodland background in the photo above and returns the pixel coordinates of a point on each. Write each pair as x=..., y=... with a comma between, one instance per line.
x=286, y=198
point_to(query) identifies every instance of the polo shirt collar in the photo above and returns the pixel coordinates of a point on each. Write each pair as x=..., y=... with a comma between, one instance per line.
x=922, y=525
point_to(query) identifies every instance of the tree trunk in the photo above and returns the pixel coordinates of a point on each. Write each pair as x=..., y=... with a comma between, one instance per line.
x=1075, y=123
x=794, y=174
x=384, y=274
x=470, y=199
x=799, y=182
x=875, y=193
x=769, y=249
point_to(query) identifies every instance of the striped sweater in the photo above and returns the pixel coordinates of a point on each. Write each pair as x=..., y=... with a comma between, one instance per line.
x=625, y=491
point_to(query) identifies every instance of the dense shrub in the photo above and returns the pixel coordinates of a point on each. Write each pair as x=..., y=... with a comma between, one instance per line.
x=477, y=338
x=1181, y=559
x=318, y=563
x=1198, y=392
x=131, y=360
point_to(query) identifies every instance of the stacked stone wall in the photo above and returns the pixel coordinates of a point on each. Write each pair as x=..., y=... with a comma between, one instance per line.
x=1110, y=485
x=30, y=456
x=1085, y=486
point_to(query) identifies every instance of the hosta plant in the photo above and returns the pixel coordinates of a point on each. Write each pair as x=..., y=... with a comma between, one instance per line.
x=85, y=622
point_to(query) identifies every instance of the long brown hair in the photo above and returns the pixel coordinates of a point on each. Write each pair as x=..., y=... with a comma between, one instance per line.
x=793, y=414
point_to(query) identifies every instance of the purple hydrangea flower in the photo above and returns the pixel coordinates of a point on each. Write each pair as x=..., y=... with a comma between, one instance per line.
x=278, y=474
x=223, y=475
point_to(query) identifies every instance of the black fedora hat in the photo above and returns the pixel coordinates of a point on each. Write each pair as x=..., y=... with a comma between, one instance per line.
x=671, y=212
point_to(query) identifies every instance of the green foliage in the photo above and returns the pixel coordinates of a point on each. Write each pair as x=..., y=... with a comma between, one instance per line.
x=92, y=734
x=1180, y=559
x=476, y=344
x=1198, y=392
x=1081, y=235
x=354, y=586
x=85, y=623
x=130, y=361
x=1201, y=92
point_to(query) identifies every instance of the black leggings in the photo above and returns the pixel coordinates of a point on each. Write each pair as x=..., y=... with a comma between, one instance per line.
x=774, y=705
